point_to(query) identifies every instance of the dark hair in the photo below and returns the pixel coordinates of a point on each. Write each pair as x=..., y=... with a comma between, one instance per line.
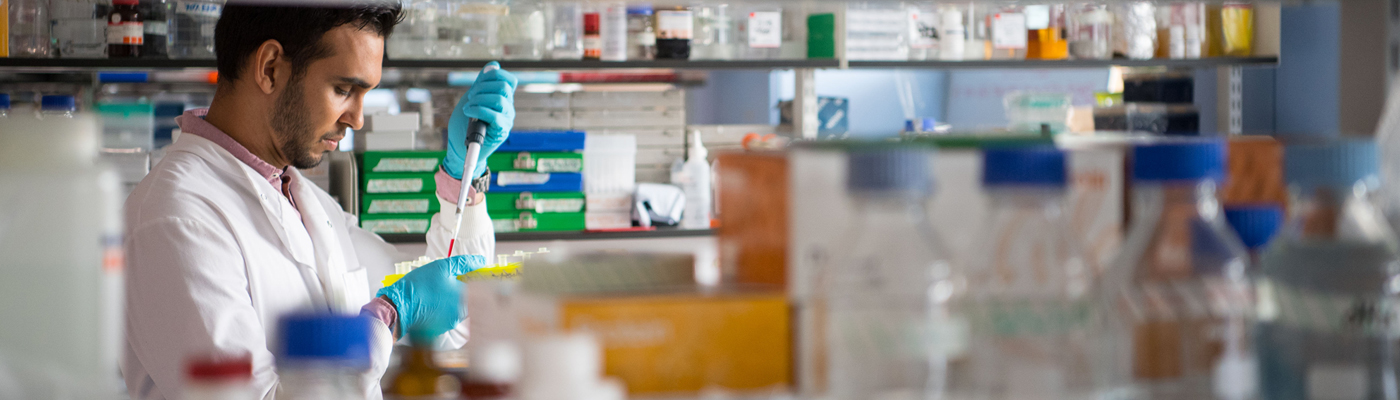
x=245, y=25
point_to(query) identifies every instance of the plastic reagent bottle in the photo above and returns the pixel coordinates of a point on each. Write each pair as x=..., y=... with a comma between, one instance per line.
x=54, y=106
x=1178, y=294
x=323, y=356
x=1029, y=285
x=889, y=327
x=696, y=185
x=1328, y=287
x=613, y=32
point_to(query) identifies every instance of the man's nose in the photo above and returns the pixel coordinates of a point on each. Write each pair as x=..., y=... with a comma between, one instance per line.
x=354, y=117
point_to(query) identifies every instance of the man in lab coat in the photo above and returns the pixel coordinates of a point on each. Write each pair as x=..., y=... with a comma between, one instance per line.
x=225, y=235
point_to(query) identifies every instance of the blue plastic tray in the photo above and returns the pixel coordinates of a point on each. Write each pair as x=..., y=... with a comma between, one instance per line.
x=543, y=141
x=558, y=182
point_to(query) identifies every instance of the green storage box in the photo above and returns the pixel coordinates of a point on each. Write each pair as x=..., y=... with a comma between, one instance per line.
x=562, y=202
x=413, y=203
x=396, y=223
x=402, y=161
x=528, y=221
x=536, y=162
x=399, y=183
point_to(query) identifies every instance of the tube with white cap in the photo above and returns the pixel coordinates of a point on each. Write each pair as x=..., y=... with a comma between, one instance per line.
x=476, y=133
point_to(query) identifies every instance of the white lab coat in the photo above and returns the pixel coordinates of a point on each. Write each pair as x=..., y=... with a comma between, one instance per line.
x=215, y=255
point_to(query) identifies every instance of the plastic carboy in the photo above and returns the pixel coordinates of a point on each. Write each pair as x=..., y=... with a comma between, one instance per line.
x=1177, y=297
x=889, y=328
x=1329, y=282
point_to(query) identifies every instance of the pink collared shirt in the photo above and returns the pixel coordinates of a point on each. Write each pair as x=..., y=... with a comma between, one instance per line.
x=192, y=122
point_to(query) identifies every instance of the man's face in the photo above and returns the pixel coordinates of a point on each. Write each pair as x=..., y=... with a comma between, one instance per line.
x=312, y=112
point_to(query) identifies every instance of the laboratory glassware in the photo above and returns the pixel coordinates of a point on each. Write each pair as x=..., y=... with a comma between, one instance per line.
x=1327, y=288
x=565, y=39
x=1135, y=25
x=889, y=324
x=924, y=20
x=29, y=28
x=714, y=33
x=1007, y=32
x=592, y=36
x=613, y=31
x=641, y=32
x=323, y=355
x=417, y=36
x=57, y=106
x=674, y=29
x=1091, y=32
x=1177, y=298
x=1030, y=285
x=126, y=29
x=156, y=27
x=523, y=32
x=79, y=28
x=1256, y=225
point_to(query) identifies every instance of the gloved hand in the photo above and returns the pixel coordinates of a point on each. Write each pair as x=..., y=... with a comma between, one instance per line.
x=492, y=100
x=427, y=298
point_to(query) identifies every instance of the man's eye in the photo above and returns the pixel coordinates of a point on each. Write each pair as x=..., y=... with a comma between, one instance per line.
x=342, y=92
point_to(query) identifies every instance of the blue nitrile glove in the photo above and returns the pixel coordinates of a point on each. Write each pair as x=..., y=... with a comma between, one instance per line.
x=427, y=297
x=491, y=99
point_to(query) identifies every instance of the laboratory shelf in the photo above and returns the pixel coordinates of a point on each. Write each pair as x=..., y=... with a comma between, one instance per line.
x=552, y=236
x=1037, y=64
x=467, y=65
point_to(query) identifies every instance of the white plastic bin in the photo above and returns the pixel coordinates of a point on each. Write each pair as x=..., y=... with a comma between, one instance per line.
x=609, y=164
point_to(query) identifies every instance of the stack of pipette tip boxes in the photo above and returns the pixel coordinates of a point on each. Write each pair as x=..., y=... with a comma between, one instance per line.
x=537, y=182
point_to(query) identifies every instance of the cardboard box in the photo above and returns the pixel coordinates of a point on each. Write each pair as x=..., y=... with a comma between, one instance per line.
x=679, y=343
x=753, y=194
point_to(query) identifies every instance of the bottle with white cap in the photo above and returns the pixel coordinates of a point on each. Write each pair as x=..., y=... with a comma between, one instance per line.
x=1177, y=297
x=888, y=303
x=694, y=179
x=1328, y=289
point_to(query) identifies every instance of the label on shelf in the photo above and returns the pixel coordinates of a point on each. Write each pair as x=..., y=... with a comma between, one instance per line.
x=674, y=24
x=765, y=29
x=1009, y=31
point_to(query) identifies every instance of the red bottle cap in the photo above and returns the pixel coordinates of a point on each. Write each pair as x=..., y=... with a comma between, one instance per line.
x=591, y=23
x=219, y=368
x=125, y=2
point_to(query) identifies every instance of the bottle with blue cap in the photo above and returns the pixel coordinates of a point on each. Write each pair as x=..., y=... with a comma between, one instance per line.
x=890, y=327
x=323, y=356
x=1256, y=225
x=1329, y=289
x=57, y=106
x=1176, y=300
x=4, y=105
x=1029, y=284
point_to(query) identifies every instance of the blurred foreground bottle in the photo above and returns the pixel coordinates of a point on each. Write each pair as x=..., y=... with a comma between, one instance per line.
x=323, y=356
x=1029, y=292
x=220, y=379
x=1327, y=294
x=418, y=377
x=890, y=332
x=1178, y=291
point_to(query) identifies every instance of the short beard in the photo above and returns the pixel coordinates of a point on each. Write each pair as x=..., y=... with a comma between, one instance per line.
x=291, y=125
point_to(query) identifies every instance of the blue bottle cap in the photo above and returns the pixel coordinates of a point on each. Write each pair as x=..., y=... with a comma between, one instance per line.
x=1028, y=166
x=1256, y=224
x=639, y=9
x=326, y=339
x=4, y=101
x=909, y=126
x=1179, y=160
x=58, y=103
x=889, y=170
x=1339, y=162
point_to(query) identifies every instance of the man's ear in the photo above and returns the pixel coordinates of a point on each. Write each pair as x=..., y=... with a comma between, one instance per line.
x=270, y=66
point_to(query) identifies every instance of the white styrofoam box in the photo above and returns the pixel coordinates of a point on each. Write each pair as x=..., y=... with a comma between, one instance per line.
x=621, y=201
x=607, y=220
x=673, y=98
x=408, y=121
x=609, y=163
x=386, y=141
x=542, y=119
x=612, y=118
x=554, y=100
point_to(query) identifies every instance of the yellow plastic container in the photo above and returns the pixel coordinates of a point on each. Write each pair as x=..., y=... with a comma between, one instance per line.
x=509, y=271
x=1237, y=26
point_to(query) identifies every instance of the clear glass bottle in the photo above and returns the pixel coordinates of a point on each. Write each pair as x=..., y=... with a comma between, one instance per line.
x=417, y=36
x=877, y=31
x=924, y=31
x=155, y=43
x=1177, y=299
x=1328, y=285
x=1045, y=26
x=79, y=28
x=191, y=27
x=979, y=44
x=29, y=28
x=470, y=29
x=1091, y=32
x=889, y=324
x=759, y=32
x=714, y=33
x=641, y=32
x=57, y=106
x=1030, y=286
x=323, y=356
x=1007, y=33
x=674, y=29
x=565, y=39
x=523, y=32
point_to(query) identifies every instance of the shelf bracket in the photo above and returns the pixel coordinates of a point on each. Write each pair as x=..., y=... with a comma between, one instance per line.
x=1229, y=96
x=804, y=103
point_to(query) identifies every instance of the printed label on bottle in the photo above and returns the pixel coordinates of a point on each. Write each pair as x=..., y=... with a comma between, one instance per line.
x=592, y=46
x=765, y=29
x=401, y=206
x=132, y=33
x=211, y=10
x=674, y=24
x=403, y=185
x=923, y=31
x=1329, y=312
x=1009, y=31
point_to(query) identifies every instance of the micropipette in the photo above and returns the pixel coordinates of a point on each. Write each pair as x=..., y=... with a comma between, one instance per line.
x=476, y=133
